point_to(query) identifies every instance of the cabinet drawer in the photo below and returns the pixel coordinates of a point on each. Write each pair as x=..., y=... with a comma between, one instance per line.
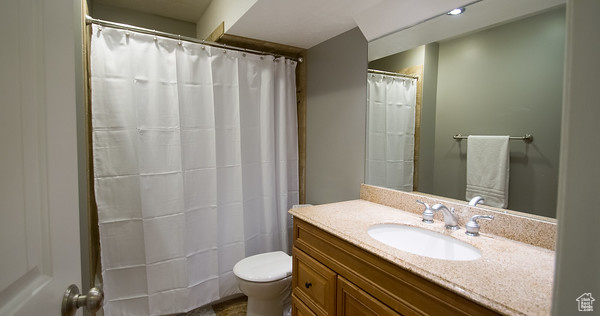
x=299, y=309
x=313, y=283
x=351, y=300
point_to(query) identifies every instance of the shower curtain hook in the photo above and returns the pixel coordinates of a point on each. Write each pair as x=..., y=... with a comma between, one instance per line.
x=179, y=42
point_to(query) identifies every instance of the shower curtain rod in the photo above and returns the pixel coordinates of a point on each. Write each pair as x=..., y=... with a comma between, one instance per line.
x=389, y=73
x=89, y=20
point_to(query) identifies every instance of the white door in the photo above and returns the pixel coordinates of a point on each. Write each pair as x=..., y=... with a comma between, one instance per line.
x=39, y=222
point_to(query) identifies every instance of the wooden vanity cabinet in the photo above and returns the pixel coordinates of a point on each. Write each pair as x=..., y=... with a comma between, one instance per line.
x=334, y=277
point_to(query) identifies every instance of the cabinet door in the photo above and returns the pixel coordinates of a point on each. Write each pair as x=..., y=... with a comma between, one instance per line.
x=351, y=300
x=313, y=283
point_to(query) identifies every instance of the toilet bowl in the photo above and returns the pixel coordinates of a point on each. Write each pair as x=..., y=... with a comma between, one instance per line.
x=266, y=279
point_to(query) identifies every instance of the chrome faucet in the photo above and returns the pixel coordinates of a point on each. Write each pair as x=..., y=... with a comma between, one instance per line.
x=476, y=200
x=427, y=213
x=449, y=216
x=473, y=227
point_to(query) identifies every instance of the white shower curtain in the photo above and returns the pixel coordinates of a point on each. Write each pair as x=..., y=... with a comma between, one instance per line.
x=391, y=102
x=195, y=166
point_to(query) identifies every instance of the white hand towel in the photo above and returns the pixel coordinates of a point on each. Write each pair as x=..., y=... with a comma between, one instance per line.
x=487, y=169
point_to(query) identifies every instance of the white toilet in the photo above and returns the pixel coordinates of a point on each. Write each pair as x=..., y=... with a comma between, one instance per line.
x=266, y=279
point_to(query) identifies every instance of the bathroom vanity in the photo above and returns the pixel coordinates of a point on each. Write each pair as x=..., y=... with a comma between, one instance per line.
x=338, y=269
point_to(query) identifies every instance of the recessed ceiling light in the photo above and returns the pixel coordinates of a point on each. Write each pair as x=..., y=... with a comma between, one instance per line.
x=457, y=11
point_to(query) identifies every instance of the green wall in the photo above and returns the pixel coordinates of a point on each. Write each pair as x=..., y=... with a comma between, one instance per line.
x=141, y=19
x=336, y=108
x=409, y=58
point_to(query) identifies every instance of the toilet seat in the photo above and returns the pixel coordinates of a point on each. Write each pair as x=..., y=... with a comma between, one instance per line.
x=264, y=267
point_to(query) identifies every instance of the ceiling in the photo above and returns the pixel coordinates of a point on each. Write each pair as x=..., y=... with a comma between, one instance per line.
x=303, y=23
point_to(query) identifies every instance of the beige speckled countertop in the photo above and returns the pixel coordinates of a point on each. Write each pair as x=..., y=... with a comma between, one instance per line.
x=511, y=277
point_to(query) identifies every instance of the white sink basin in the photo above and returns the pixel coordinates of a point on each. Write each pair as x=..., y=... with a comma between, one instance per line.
x=423, y=242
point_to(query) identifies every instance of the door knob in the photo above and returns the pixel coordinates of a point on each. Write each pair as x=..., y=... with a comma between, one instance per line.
x=72, y=300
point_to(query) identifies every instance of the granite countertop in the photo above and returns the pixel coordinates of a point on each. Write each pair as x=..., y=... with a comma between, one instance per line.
x=511, y=277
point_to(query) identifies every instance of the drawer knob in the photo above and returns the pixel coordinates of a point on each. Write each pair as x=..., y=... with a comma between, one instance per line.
x=307, y=284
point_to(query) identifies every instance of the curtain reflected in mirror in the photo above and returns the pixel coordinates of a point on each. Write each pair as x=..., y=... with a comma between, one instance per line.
x=391, y=108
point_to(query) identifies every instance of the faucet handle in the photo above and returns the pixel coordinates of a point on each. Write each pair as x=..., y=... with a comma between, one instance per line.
x=473, y=227
x=421, y=202
x=427, y=213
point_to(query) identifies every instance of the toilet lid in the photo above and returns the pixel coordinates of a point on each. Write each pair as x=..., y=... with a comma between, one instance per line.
x=264, y=267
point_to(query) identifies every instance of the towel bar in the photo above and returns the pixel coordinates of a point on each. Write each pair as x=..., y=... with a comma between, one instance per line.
x=527, y=138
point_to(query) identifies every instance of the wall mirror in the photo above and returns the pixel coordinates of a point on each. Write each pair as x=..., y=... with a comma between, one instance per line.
x=496, y=69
